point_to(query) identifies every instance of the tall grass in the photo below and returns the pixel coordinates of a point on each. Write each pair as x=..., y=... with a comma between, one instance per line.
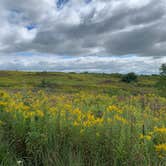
x=82, y=129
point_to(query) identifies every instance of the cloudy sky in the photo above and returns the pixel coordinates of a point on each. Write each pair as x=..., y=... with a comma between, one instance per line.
x=83, y=35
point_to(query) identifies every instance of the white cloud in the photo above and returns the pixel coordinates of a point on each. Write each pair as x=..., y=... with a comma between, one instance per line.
x=107, y=64
x=98, y=28
x=80, y=28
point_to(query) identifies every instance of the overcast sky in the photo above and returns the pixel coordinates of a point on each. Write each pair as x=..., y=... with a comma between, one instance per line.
x=83, y=35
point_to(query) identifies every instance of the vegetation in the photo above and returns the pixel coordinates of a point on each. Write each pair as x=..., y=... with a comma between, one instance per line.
x=58, y=119
x=163, y=70
x=71, y=83
x=130, y=77
x=161, y=84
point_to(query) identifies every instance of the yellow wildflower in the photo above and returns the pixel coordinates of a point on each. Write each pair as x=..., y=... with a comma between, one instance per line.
x=25, y=107
x=3, y=94
x=77, y=111
x=160, y=130
x=87, y=124
x=113, y=108
x=161, y=147
x=39, y=113
x=99, y=120
x=146, y=137
x=52, y=110
x=3, y=104
x=29, y=114
x=90, y=117
x=75, y=123
x=121, y=119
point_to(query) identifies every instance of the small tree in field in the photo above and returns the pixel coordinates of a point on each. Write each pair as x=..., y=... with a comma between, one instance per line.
x=163, y=70
x=130, y=77
x=161, y=84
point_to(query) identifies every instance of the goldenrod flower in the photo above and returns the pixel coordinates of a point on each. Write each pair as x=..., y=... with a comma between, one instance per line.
x=121, y=119
x=160, y=130
x=146, y=137
x=3, y=104
x=39, y=113
x=75, y=123
x=161, y=147
x=113, y=108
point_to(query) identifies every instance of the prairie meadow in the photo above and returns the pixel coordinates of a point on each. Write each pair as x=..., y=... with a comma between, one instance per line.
x=91, y=120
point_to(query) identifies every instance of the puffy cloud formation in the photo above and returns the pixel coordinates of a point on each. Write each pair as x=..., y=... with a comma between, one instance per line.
x=84, y=27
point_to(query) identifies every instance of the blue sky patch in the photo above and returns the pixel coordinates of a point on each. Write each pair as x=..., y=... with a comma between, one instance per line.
x=61, y=3
x=31, y=26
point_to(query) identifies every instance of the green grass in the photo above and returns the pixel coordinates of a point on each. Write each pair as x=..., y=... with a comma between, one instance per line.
x=71, y=82
x=69, y=119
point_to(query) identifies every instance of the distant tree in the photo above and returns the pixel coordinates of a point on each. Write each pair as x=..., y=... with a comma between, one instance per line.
x=163, y=69
x=130, y=77
x=161, y=84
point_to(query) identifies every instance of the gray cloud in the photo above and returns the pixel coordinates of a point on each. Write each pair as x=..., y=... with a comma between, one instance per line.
x=101, y=27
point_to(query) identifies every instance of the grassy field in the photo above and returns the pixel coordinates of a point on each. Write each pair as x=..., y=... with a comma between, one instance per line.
x=59, y=119
x=72, y=82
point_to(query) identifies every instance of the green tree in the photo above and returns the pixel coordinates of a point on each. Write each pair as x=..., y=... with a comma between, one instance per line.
x=130, y=77
x=161, y=84
x=163, y=69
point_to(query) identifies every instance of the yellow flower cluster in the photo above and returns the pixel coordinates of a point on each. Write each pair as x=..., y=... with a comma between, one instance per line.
x=115, y=109
x=146, y=137
x=160, y=130
x=161, y=150
x=85, y=119
x=120, y=119
x=3, y=104
x=160, y=147
x=93, y=114
x=92, y=121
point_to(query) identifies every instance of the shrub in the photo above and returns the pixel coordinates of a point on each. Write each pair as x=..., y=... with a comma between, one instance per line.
x=44, y=83
x=161, y=83
x=130, y=77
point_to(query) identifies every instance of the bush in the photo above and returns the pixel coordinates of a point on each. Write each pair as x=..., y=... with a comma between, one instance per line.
x=161, y=83
x=44, y=83
x=130, y=77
